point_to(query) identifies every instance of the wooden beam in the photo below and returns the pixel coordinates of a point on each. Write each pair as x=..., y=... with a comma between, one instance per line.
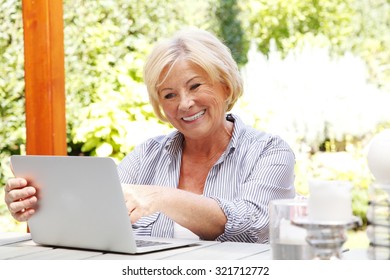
x=44, y=77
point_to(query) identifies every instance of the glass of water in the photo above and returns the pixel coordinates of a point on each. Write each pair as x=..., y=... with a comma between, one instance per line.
x=288, y=241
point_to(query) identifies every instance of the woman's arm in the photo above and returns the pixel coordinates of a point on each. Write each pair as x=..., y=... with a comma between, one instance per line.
x=234, y=209
x=201, y=215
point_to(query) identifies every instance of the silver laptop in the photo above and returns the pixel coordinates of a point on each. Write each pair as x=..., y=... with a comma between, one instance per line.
x=81, y=205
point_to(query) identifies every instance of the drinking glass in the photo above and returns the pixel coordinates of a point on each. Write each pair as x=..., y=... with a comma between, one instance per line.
x=288, y=241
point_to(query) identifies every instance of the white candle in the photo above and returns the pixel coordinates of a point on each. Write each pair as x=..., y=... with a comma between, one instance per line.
x=329, y=201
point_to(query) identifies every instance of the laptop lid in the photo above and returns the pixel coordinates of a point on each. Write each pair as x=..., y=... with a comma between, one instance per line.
x=80, y=204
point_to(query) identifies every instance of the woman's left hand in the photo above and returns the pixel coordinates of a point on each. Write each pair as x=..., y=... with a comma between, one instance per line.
x=141, y=200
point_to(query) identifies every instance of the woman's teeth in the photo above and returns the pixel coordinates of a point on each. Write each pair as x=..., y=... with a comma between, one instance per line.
x=194, y=117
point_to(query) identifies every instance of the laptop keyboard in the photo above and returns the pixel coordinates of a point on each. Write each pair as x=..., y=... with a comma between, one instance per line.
x=146, y=243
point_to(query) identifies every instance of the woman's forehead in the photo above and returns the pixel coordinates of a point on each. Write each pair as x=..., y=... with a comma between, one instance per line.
x=183, y=70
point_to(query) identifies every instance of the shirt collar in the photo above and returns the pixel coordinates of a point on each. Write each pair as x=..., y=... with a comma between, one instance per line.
x=174, y=143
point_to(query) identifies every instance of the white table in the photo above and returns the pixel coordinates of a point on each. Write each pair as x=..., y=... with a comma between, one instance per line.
x=19, y=246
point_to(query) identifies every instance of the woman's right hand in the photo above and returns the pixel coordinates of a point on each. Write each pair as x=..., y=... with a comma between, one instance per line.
x=20, y=199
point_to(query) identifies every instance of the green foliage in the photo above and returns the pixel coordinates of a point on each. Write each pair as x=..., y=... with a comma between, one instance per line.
x=286, y=22
x=371, y=38
x=12, y=129
x=360, y=26
x=113, y=126
x=230, y=29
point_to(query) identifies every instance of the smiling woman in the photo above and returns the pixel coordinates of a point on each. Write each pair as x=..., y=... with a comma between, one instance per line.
x=218, y=174
x=213, y=175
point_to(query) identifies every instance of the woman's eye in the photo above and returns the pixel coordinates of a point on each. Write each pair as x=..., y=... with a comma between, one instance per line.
x=194, y=86
x=169, y=96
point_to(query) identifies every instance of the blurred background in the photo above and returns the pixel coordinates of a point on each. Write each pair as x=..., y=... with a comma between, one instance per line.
x=316, y=72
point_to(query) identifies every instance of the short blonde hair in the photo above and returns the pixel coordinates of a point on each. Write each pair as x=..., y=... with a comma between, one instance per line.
x=201, y=48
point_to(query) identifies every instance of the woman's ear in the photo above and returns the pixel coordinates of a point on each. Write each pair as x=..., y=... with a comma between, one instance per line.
x=226, y=89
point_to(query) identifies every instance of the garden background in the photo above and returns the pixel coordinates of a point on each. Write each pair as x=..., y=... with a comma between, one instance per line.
x=316, y=72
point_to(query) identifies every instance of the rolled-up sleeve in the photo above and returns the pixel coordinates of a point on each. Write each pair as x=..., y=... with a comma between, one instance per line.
x=267, y=174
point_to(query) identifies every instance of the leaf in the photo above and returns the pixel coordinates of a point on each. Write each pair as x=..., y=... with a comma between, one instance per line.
x=104, y=150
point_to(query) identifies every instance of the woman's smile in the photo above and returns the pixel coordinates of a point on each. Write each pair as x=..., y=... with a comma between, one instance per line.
x=194, y=117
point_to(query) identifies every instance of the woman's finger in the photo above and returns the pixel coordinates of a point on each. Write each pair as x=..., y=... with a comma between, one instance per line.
x=18, y=194
x=15, y=183
x=21, y=205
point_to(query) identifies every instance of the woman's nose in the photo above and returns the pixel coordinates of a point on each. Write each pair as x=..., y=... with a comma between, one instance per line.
x=186, y=102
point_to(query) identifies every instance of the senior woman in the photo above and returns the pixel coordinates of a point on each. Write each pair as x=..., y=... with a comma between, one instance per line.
x=213, y=177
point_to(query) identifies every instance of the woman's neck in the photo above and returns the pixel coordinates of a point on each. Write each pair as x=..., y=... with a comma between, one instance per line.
x=209, y=148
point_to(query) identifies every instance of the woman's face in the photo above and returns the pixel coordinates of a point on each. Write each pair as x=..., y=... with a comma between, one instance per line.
x=191, y=102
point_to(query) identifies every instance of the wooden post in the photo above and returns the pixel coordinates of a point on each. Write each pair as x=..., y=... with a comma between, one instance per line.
x=44, y=77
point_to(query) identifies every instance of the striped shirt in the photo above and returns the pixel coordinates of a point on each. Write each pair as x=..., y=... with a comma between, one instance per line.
x=255, y=168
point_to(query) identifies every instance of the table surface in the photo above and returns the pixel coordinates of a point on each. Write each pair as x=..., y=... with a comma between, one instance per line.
x=19, y=246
